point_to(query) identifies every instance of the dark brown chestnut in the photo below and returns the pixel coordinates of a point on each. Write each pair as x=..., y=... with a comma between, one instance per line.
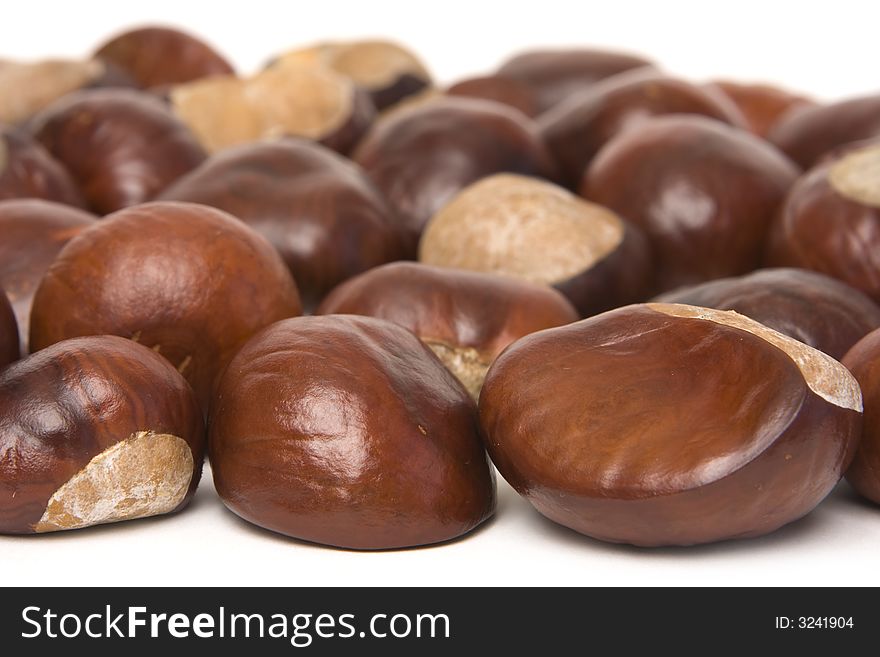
x=33, y=232
x=666, y=424
x=160, y=56
x=28, y=171
x=421, y=156
x=318, y=209
x=762, y=105
x=863, y=360
x=466, y=318
x=576, y=129
x=9, y=347
x=348, y=431
x=122, y=146
x=500, y=90
x=189, y=281
x=539, y=232
x=813, y=308
x=95, y=430
x=703, y=192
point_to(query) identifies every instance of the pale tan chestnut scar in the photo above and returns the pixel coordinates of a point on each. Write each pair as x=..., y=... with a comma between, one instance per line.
x=27, y=87
x=467, y=364
x=857, y=176
x=823, y=375
x=147, y=474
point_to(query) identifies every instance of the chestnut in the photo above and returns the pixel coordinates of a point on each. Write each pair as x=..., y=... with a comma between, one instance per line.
x=95, y=430
x=9, y=348
x=318, y=209
x=500, y=90
x=666, y=424
x=818, y=310
x=703, y=192
x=466, y=318
x=33, y=233
x=809, y=134
x=347, y=431
x=863, y=360
x=386, y=70
x=762, y=105
x=554, y=75
x=28, y=171
x=285, y=100
x=830, y=221
x=122, y=146
x=191, y=282
x=575, y=130
x=421, y=156
x=539, y=232
x=157, y=56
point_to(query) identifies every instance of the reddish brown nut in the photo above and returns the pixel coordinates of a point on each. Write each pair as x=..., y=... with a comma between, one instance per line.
x=28, y=171
x=809, y=134
x=9, y=348
x=830, y=221
x=420, y=157
x=554, y=75
x=576, y=129
x=818, y=310
x=664, y=424
x=466, y=318
x=191, y=282
x=318, y=209
x=161, y=56
x=386, y=70
x=539, y=232
x=762, y=105
x=33, y=232
x=703, y=192
x=501, y=90
x=863, y=360
x=289, y=100
x=347, y=431
x=95, y=430
x=123, y=147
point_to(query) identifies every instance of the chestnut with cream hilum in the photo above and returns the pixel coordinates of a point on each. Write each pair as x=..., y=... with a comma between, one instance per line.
x=667, y=424
x=538, y=232
x=28, y=171
x=466, y=318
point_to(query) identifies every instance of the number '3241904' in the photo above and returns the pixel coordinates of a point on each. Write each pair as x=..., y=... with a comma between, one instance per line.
x=814, y=622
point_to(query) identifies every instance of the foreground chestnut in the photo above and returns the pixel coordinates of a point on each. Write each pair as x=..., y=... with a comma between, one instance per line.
x=123, y=147
x=762, y=105
x=466, y=318
x=191, y=282
x=815, y=309
x=160, y=56
x=863, y=360
x=703, y=192
x=28, y=171
x=665, y=424
x=421, y=156
x=318, y=209
x=539, y=232
x=9, y=348
x=348, y=431
x=95, y=430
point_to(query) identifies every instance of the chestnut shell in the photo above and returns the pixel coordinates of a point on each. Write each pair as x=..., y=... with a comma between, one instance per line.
x=9, y=349
x=863, y=360
x=27, y=170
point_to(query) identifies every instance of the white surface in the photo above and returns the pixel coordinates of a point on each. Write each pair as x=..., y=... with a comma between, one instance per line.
x=828, y=49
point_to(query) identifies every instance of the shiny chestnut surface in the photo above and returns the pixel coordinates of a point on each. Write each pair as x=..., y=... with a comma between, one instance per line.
x=762, y=105
x=347, y=431
x=863, y=360
x=9, y=349
x=28, y=171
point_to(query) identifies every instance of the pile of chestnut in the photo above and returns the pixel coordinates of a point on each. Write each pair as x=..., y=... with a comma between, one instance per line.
x=651, y=304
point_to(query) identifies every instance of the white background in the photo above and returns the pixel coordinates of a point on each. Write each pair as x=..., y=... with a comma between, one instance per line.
x=827, y=49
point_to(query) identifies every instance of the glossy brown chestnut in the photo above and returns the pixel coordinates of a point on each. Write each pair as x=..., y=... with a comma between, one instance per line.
x=122, y=146
x=665, y=424
x=704, y=194
x=466, y=318
x=863, y=360
x=808, y=135
x=501, y=90
x=9, y=348
x=817, y=310
x=159, y=56
x=539, y=232
x=576, y=129
x=762, y=105
x=318, y=209
x=28, y=171
x=348, y=431
x=421, y=156
x=189, y=281
x=33, y=232
x=554, y=75
x=830, y=221
x=95, y=430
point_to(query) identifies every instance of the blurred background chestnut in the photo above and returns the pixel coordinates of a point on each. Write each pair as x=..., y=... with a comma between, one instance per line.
x=28, y=171
x=762, y=105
